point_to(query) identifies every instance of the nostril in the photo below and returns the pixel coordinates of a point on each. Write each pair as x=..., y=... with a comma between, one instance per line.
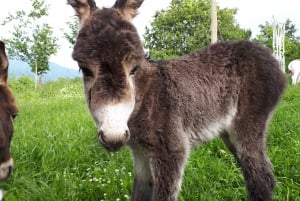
x=127, y=135
x=9, y=170
x=101, y=136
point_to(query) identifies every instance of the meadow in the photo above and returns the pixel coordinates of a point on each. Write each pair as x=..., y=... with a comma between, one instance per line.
x=57, y=156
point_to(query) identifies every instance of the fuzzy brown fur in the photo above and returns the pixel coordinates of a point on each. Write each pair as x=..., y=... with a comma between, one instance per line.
x=229, y=89
x=8, y=111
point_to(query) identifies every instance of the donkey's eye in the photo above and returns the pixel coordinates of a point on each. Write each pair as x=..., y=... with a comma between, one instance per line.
x=86, y=72
x=14, y=115
x=134, y=70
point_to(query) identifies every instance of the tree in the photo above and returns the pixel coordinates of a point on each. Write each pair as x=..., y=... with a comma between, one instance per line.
x=292, y=42
x=185, y=27
x=73, y=30
x=32, y=41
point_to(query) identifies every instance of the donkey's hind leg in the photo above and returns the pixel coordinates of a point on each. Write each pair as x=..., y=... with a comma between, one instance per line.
x=249, y=140
x=229, y=144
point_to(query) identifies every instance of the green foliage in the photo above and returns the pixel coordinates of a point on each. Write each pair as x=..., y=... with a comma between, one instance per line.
x=22, y=83
x=229, y=28
x=43, y=47
x=73, y=30
x=185, y=27
x=291, y=41
x=57, y=156
x=31, y=41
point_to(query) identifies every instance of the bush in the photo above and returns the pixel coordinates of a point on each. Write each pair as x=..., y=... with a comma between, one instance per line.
x=21, y=84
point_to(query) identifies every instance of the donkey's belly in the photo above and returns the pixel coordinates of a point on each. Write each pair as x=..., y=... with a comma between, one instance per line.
x=211, y=128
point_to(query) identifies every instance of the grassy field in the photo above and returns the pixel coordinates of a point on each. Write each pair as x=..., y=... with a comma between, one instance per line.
x=57, y=156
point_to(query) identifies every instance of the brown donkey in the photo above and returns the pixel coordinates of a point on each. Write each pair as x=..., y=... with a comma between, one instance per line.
x=161, y=109
x=8, y=110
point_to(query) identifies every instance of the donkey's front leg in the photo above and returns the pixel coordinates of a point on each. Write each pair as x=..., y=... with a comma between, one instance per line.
x=143, y=181
x=167, y=169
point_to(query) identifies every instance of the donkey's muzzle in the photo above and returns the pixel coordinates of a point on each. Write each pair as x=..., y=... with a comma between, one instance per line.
x=113, y=142
x=5, y=169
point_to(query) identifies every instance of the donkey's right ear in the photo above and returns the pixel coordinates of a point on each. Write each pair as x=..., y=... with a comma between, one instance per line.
x=128, y=8
x=3, y=64
x=83, y=8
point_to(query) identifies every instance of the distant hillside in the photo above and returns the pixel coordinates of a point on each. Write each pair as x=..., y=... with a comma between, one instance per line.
x=18, y=69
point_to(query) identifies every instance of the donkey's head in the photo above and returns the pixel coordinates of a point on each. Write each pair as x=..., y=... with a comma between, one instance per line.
x=8, y=111
x=108, y=51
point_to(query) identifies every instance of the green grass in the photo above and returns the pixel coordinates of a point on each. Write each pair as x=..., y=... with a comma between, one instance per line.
x=57, y=156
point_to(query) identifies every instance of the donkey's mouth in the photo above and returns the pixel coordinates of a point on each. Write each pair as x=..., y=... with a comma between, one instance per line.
x=113, y=147
x=5, y=169
x=113, y=144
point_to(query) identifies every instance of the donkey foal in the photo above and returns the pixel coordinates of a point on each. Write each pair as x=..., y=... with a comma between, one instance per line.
x=161, y=109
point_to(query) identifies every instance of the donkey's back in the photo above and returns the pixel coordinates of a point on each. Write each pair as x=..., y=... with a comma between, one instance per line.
x=238, y=72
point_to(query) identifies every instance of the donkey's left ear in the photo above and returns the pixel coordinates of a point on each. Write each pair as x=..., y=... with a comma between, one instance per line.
x=128, y=8
x=83, y=8
x=3, y=64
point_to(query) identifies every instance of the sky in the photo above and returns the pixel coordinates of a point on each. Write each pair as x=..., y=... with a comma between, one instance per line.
x=249, y=16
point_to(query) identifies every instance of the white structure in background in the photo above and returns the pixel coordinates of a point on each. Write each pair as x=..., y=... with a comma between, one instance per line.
x=294, y=68
x=278, y=42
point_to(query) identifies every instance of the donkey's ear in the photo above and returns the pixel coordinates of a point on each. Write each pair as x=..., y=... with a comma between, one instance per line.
x=3, y=64
x=83, y=8
x=128, y=8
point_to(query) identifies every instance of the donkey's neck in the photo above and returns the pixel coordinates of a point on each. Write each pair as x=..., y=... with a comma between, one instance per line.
x=149, y=85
